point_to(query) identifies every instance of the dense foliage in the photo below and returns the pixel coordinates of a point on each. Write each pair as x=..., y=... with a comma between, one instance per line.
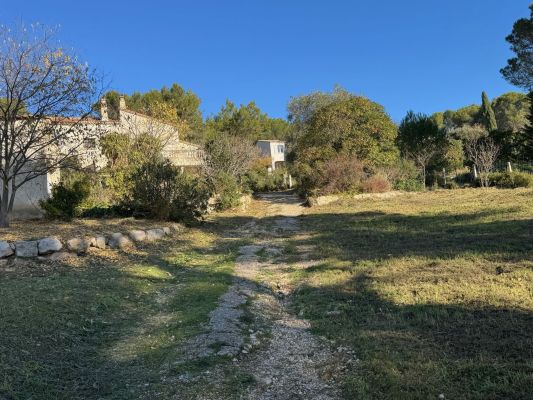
x=519, y=69
x=66, y=199
x=246, y=122
x=161, y=191
x=338, y=125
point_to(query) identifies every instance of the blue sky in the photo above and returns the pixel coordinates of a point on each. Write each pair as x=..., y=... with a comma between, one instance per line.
x=425, y=55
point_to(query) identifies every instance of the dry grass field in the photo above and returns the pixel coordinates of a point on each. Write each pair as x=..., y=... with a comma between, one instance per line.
x=432, y=291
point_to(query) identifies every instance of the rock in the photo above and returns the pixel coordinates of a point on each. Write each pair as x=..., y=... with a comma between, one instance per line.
x=119, y=241
x=49, y=245
x=321, y=200
x=99, y=242
x=154, y=234
x=5, y=249
x=79, y=245
x=166, y=230
x=137, y=235
x=26, y=249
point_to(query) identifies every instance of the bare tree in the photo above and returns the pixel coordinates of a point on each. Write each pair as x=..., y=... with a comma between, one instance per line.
x=46, y=96
x=230, y=154
x=422, y=156
x=484, y=153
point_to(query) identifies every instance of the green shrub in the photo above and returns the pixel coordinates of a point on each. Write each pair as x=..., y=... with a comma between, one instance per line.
x=510, y=180
x=259, y=180
x=228, y=191
x=409, y=185
x=65, y=199
x=161, y=191
x=452, y=185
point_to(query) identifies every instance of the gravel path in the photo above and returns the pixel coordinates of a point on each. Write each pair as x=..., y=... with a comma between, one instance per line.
x=284, y=358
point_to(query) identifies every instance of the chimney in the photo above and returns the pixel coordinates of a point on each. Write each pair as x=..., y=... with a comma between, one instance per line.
x=103, y=110
x=122, y=103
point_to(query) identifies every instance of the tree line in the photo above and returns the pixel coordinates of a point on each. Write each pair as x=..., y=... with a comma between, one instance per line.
x=337, y=141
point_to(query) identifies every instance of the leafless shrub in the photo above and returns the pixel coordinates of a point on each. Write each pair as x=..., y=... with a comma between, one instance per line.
x=484, y=153
x=376, y=184
x=342, y=173
x=229, y=154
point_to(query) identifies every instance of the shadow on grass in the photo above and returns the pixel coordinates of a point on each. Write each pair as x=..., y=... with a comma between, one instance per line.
x=430, y=303
x=109, y=328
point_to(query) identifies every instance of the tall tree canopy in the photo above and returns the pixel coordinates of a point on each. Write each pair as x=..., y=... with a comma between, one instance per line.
x=246, y=121
x=356, y=126
x=174, y=105
x=487, y=113
x=519, y=69
x=511, y=111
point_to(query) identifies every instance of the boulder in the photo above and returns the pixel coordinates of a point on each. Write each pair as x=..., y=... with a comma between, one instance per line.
x=154, y=234
x=5, y=249
x=137, y=235
x=119, y=241
x=49, y=245
x=79, y=245
x=167, y=231
x=26, y=249
x=98, y=242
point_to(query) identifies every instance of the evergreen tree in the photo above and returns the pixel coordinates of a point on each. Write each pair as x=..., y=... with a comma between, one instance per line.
x=527, y=137
x=487, y=113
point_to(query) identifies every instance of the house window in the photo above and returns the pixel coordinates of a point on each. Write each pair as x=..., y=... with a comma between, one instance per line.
x=281, y=148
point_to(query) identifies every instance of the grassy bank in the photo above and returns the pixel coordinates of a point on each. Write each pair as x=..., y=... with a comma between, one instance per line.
x=109, y=325
x=433, y=291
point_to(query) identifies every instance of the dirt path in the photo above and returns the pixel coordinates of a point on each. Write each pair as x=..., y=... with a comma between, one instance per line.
x=284, y=358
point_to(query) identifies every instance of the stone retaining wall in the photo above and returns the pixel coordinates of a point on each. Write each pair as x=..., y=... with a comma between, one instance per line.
x=314, y=201
x=50, y=246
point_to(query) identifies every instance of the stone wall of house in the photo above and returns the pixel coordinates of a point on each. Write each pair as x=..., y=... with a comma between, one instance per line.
x=27, y=197
x=84, y=141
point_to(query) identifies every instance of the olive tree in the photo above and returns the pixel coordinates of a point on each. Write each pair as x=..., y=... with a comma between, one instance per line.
x=46, y=95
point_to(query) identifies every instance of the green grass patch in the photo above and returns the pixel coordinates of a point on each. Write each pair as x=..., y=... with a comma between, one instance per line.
x=433, y=291
x=107, y=328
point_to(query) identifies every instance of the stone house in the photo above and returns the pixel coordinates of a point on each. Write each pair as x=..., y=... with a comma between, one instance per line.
x=275, y=149
x=85, y=143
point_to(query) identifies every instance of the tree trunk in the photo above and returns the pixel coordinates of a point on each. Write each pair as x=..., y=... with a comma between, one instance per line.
x=4, y=208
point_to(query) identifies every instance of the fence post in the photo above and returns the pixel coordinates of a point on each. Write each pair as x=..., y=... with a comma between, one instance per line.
x=475, y=172
x=444, y=175
x=509, y=168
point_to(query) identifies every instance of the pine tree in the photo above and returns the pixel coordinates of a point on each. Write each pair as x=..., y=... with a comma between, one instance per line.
x=527, y=133
x=487, y=113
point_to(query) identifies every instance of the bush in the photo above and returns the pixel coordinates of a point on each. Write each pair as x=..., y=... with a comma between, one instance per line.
x=259, y=180
x=409, y=185
x=66, y=199
x=404, y=175
x=342, y=173
x=161, y=191
x=464, y=178
x=510, y=180
x=452, y=185
x=228, y=191
x=376, y=184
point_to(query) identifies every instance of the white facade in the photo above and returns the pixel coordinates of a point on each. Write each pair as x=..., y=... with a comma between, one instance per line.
x=85, y=142
x=275, y=149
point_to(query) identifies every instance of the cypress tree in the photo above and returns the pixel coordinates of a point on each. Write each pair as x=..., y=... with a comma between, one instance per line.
x=527, y=133
x=487, y=113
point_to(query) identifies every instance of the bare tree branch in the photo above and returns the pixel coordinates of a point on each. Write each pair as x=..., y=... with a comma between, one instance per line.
x=46, y=97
